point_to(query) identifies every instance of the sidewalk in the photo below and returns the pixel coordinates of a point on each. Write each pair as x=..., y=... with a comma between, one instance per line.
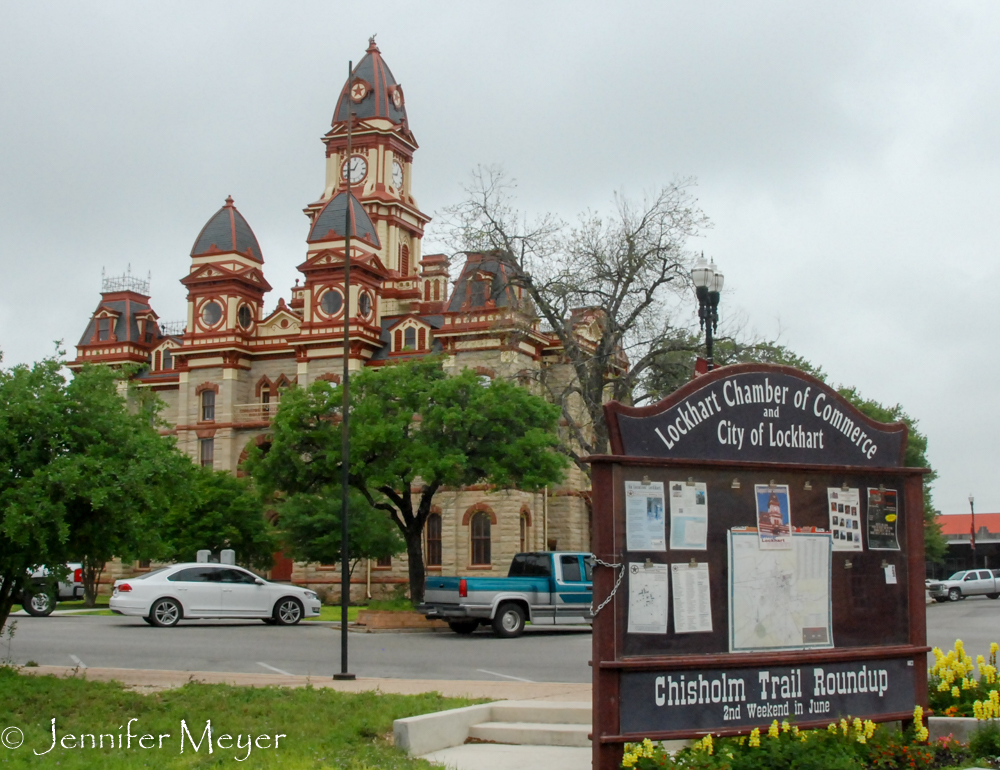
x=147, y=680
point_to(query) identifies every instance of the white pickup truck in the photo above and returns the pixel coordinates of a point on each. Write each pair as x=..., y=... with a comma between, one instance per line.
x=968, y=582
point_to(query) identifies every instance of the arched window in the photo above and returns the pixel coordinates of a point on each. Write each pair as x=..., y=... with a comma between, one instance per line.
x=433, y=529
x=524, y=533
x=410, y=338
x=156, y=361
x=427, y=291
x=404, y=260
x=398, y=337
x=421, y=339
x=437, y=290
x=208, y=405
x=481, y=538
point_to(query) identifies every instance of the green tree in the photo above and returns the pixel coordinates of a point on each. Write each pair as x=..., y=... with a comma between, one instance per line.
x=414, y=430
x=83, y=474
x=218, y=510
x=310, y=526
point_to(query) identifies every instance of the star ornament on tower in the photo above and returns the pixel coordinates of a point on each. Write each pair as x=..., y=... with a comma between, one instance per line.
x=358, y=91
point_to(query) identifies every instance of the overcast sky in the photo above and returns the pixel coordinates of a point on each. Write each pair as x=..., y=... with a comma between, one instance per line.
x=847, y=155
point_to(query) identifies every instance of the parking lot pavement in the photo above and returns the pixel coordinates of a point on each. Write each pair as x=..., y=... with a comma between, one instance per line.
x=976, y=621
x=308, y=649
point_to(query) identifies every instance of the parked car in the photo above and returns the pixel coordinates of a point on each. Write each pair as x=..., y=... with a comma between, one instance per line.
x=43, y=590
x=971, y=582
x=545, y=587
x=198, y=590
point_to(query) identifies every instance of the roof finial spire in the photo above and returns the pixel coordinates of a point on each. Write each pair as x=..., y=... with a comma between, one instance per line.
x=372, y=48
x=229, y=201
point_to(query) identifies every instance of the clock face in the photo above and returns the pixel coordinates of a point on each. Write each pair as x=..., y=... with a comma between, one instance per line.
x=358, y=168
x=397, y=175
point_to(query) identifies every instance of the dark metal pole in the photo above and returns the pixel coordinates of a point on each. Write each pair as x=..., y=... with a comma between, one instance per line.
x=972, y=530
x=345, y=435
x=710, y=313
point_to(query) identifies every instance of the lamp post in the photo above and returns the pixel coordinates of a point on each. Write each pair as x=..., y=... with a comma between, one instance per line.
x=707, y=285
x=972, y=528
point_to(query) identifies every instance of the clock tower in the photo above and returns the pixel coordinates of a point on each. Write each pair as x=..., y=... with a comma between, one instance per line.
x=378, y=173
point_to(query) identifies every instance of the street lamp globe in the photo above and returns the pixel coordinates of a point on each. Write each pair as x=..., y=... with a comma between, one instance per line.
x=702, y=274
x=717, y=280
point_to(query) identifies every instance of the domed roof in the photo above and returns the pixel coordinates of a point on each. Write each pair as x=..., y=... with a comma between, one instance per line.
x=227, y=231
x=372, y=90
x=331, y=220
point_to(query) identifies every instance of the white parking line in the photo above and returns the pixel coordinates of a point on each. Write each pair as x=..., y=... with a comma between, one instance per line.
x=278, y=670
x=505, y=676
x=79, y=663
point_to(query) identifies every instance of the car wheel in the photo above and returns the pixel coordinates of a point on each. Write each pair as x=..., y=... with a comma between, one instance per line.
x=940, y=599
x=993, y=596
x=508, y=623
x=165, y=613
x=40, y=603
x=288, y=612
x=954, y=594
x=463, y=627
x=149, y=620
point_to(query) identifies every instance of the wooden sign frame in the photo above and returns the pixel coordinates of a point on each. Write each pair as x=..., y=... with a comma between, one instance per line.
x=876, y=626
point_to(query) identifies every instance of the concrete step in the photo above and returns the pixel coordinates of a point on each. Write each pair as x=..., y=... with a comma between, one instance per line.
x=532, y=733
x=541, y=712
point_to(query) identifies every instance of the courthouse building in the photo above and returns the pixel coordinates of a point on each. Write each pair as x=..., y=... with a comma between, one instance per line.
x=221, y=372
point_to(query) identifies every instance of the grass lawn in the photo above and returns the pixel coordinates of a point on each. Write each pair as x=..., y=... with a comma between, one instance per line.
x=320, y=728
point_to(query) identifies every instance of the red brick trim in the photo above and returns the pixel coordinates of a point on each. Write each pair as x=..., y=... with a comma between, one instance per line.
x=205, y=433
x=334, y=378
x=476, y=509
x=206, y=386
x=526, y=512
x=485, y=372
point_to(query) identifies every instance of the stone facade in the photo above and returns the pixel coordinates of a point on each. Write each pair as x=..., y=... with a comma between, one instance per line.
x=221, y=372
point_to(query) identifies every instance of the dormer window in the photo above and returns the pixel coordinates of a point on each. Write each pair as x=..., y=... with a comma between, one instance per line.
x=410, y=338
x=168, y=359
x=103, y=329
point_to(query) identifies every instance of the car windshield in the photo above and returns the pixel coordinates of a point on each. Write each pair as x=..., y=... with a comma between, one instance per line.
x=957, y=575
x=150, y=574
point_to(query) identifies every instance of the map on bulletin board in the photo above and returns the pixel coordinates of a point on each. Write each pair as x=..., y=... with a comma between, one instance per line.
x=779, y=600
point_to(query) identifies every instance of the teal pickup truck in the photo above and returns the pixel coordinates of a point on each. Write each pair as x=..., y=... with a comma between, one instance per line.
x=546, y=587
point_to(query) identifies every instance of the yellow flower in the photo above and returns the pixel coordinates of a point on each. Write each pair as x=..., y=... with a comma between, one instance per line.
x=869, y=728
x=832, y=728
x=785, y=727
x=843, y=725
x=955, y=692
x=755, y=737
x=773, y=729
x=795, y=729
x=706, y=743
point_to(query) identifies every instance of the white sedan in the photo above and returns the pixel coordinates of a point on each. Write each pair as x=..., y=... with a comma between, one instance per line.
x=164, y=596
